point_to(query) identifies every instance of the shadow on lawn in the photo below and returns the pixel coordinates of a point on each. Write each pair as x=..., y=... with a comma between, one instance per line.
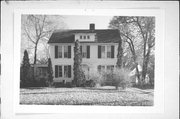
x=34, y=88
x=89, y=90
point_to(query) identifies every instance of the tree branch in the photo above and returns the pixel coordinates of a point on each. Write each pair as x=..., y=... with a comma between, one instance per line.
x=29, y=36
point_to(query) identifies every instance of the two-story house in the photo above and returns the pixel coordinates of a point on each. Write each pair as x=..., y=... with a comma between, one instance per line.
x=98, y=47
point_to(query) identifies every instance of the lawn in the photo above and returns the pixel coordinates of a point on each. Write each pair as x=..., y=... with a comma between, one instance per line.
x=87, y=96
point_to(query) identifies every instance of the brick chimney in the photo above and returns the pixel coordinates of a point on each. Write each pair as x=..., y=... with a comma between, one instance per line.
x=91, y=26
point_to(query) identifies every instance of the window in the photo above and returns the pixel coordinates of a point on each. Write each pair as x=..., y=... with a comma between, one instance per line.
x=110, y=68
x=102, y=51
x=84, y=51
x=80, y=37
x=65, y=51
x=58, y=71
x=67, y=71
x=88, y=37
x=101, y=68
x=84, y=37
x=59, y=51
x=108, y=51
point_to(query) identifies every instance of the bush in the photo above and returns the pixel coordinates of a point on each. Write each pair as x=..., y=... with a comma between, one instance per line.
x=121, y=78
x=90, y=83
x=95, y=78
x=117, y=78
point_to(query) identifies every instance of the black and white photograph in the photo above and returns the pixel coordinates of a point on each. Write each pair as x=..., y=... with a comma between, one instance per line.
x=87, y=60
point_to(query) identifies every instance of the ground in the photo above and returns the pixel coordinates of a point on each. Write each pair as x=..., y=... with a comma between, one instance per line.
x=87, y=96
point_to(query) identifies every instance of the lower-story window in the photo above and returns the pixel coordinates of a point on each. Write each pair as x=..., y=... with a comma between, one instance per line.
x=110, y=67
x=58, y=71
x=101, y=68
x=67, y=71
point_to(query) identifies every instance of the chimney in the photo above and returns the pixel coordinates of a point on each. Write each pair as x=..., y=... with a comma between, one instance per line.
x=91, y=26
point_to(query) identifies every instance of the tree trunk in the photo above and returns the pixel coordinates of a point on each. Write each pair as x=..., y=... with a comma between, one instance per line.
x=138, y=74
x=145, y=66
x=35, y=55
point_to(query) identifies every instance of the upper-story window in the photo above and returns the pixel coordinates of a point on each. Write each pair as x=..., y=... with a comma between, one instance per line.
x=108, y=51
x=85, y=51
x=105, y=51
x=59, y=51
x=102, y=51
x=84, y=37
x=88, y=37
x=65, y=51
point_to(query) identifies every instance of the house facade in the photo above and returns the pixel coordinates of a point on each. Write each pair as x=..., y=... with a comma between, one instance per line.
x=98, y=48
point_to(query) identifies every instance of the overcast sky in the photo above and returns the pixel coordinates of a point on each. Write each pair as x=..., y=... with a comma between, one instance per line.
x=82, y=22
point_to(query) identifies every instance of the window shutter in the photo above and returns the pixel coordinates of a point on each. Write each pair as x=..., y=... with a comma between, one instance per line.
x=56, y=71
x=56, y=51
x=112, y=51
x=88, y=51
x=69, y=71
x=99, y=51
x=60, y=71
x=81, y=49
x=69, y=51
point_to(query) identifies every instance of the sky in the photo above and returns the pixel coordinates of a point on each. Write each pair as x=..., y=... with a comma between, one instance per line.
x=82, y=22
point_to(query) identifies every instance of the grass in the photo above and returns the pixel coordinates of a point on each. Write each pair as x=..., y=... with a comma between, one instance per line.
x=87, y=96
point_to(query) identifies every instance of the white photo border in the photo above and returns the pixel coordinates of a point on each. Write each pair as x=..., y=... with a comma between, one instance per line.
x=159, y=62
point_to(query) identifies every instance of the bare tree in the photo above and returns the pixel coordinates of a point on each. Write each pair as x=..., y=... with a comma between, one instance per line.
x=137, y=32
x=37, y=29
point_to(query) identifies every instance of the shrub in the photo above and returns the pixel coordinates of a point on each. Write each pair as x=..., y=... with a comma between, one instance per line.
x=95, y=78
x=121, y=78
x=79, y=76
x=117, y=78
x=25, y=70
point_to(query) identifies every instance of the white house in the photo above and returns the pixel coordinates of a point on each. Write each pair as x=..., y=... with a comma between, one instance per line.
x=98, y=47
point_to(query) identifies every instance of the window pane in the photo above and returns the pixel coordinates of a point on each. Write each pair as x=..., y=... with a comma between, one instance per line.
x=110, y=67
x=84, y=51
x=60, y=71
x=88, y=37
x=60, y=52
x=101, y=68
x=65, y=51
x=66, y=71
x=80, y=37
x=84, y=37
x=103, y=51
x=108, y=51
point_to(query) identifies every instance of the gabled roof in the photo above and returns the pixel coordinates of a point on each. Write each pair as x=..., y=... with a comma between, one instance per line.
x=102, y=35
